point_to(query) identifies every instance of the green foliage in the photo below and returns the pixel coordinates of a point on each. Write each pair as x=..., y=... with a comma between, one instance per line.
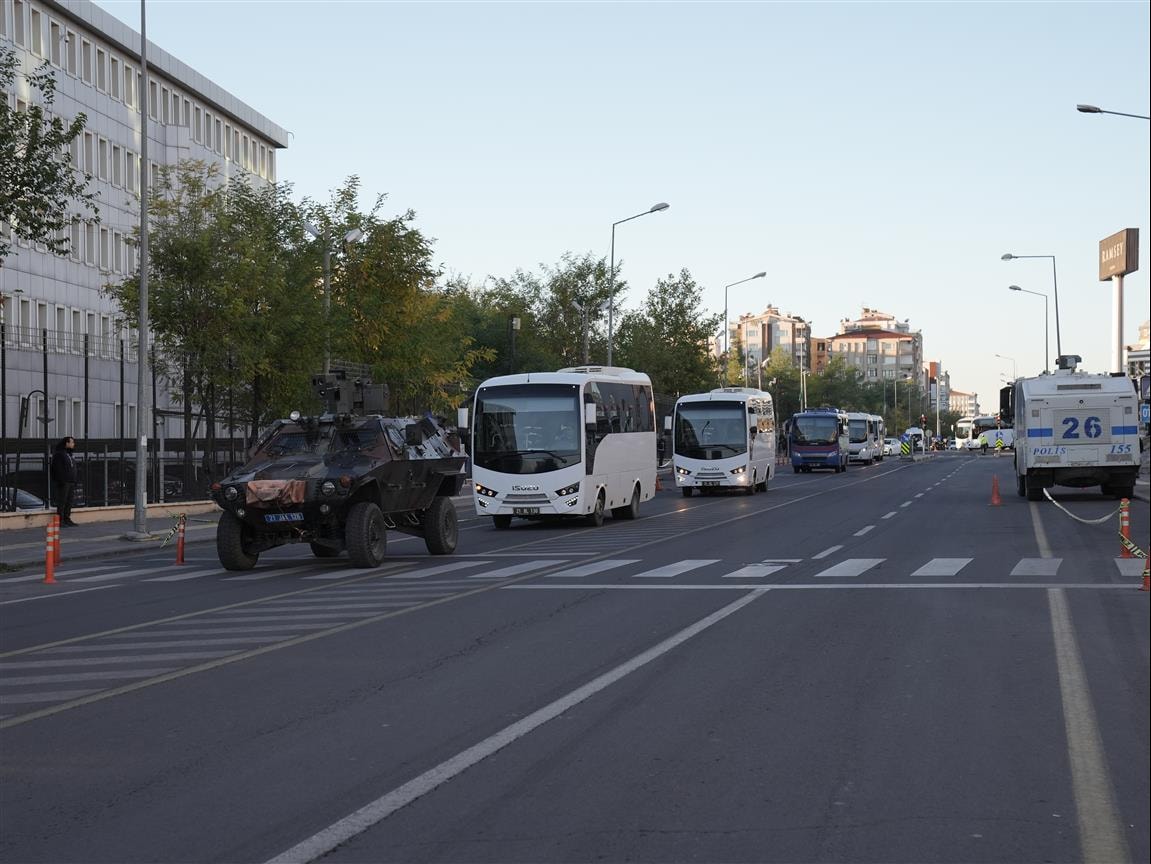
x=669, y=336
x=38, y=184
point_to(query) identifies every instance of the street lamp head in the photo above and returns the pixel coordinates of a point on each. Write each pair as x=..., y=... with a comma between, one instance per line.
x=655, y=208
x=1006, y=256
x=353, y=236
x=313, y=230
x=760, y=274
x=1088, y=109
x=1014, y=288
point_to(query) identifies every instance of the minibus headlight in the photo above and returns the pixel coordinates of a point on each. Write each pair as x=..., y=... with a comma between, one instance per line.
x=485, y=491
x=683, y=472
x=742, y=469
x=568, y=490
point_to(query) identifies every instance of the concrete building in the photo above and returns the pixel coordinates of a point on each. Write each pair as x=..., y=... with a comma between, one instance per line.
x=52, y=305
x=879, y=353
x=760, y=334
x=1135, y=357
x=963, y=404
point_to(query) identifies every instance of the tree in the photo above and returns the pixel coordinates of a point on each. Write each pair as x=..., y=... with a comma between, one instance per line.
x=669, y=337
x=37, y=181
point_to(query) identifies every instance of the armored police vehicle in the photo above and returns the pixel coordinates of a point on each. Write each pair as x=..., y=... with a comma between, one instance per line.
x=1074, y=428
x=340, y=480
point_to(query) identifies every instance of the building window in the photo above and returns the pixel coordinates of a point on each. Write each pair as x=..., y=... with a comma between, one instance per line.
x=105, y=250
x=102, y=160
x=55, y=37
x=117, y=166
x=90, y=243
x=118, y=252
x=37, y=34
x=872, y=360
x=101, y=70
x=71, y=51
x=186, y=114
x=207, y=130
x=164, y=100
x=227, y=141
x=18, y=22
x=219, y=138
x=196, y=124
x=130, y=171
x=129, y=86
x=114, y=77
x=152, y=101
x=86, y=61
x=272, y=165
x=78, y=419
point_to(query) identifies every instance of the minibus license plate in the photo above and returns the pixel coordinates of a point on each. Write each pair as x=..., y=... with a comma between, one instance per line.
x=526, y=511
x=708, y=482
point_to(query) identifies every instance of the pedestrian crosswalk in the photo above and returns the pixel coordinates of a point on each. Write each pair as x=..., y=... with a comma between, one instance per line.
x=484, y=569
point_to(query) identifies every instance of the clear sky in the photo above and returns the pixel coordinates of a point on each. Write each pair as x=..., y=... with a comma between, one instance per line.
x=878, y=154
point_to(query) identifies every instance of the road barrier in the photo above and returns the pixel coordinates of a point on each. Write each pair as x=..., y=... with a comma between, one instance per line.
x=1129, y=549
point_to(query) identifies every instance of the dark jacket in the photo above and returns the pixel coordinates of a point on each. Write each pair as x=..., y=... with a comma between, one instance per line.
x=63, y=466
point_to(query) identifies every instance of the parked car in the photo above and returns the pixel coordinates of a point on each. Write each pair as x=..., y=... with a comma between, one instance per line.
x=23, y=500
x=890, y=447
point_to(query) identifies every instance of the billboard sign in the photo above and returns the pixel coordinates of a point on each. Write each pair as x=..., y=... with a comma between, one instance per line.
x=1119, y=254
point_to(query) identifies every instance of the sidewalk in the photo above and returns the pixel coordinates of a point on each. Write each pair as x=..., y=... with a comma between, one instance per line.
x=24, y=547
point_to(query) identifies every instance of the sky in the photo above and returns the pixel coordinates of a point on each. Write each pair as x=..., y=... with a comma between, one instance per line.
x=862, y=154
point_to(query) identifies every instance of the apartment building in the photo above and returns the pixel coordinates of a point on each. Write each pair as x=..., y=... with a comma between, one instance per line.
x=52, y=305
x=964, y=404
x=879, y=353
x=760, y=334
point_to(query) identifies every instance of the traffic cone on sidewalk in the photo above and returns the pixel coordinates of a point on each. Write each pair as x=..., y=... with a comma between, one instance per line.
x=56, y=545
x=995, y=499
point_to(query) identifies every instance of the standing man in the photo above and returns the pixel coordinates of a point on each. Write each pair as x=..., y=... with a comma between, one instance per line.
x=982, y=443
x=64, y=475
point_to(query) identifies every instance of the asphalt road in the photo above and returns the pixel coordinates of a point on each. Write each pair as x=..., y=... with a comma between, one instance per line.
x=876, y=666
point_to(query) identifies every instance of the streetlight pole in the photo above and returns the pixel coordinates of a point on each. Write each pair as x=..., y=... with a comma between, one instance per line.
x=655, y=208
x=758, y=275
x=140, y=498
x=1007, y=256
x=1092, y=109
x=1046, y=328
x=1014, y=369
x=351, y=237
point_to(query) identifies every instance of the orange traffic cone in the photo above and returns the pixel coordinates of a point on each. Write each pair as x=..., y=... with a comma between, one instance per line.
x=995, y=499
x=658, y=484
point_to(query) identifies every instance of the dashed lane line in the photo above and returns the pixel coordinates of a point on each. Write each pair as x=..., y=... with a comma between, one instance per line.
x=830, y=550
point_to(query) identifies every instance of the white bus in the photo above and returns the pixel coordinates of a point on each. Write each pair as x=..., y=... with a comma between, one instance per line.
x=865, y=444
x=576, y=442
x=963, y=437
x=880, y=436
x=724, y=439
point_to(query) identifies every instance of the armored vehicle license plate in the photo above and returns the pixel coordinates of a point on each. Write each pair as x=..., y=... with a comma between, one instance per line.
x=526, y=511
x=284, y=517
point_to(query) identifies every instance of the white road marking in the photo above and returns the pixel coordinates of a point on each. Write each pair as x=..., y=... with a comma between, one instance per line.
x=825, y=586
x=1037, y=567
x=889, y=515
x=850, y=567
x=61, y=594
x=516, y=569
x=864, y=530
x=1101, y=836
x=755, y=571
x=106, y=661
x=831, y=550
x=906, y=504
x=435, y=571
x=592, y=567
x=670, y=570
x=1129, y=568
x=323, y=842
x=83, y=676
x=184, y=575
x=176, y=643
x=942, y=567
x=918, y=494
x=46, y=696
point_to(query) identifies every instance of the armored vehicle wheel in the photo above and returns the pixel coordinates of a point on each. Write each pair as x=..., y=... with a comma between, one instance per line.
x=630, y=510
x=322, y=551
x=687, y=491
x=1034, y=490
x=595, y=518
x=441, y=527
x=365, y=534
x=233, y=542
x=1021, y=485
x=502, y=522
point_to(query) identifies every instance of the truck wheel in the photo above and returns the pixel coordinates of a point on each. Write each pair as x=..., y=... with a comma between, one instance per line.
x=233, y=543
x=688, y=491
x=631, y=511
x=1021, y=485
x=441, y=527
x=595, y=518
x=322, y=551
x=365, y=535
x=503, y=523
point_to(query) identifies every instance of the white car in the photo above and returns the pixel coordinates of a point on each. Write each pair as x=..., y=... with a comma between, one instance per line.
x=890, y=447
